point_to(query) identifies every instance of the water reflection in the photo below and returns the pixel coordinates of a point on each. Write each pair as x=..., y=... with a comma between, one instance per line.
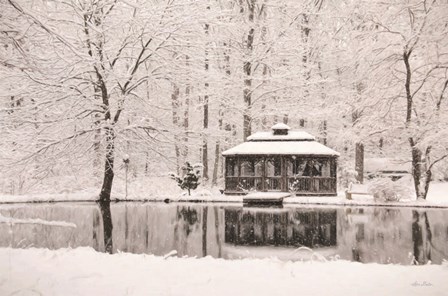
x=312, y=229
x=383, y=235
x=107, y=226
x=421, y=236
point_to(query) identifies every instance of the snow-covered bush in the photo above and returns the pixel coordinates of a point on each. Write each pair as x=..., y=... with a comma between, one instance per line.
x=384, y=189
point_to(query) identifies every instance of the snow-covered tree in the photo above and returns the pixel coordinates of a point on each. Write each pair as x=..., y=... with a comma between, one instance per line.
x=190, y=180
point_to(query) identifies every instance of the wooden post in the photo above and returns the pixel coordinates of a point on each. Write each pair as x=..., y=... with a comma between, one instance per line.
x=359, y=162
x=284, y=186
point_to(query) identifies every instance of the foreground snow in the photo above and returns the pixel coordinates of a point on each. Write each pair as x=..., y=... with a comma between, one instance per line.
x=86, y=272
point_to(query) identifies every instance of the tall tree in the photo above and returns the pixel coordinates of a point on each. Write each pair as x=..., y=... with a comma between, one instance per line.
x=93, y=66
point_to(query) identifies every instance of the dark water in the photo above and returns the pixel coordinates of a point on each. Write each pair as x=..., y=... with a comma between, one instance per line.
x=382, y=235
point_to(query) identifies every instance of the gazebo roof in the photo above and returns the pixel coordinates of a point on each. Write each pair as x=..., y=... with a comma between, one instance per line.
x=280, y=126
x=294, y=142
x=281, y=148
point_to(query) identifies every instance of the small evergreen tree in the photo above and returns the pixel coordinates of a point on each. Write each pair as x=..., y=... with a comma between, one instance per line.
x=190, y=180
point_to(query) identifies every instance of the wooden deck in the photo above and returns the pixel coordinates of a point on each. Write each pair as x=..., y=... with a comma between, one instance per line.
x=265, y=198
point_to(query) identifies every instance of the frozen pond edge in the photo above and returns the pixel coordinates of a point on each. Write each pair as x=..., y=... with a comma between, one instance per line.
x=286, y=202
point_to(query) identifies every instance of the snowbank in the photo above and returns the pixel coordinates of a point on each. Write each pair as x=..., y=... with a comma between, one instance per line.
x=86, y=272
x=12, y=221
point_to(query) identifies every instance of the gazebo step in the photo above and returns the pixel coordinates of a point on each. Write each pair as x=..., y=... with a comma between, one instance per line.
x=265, y=197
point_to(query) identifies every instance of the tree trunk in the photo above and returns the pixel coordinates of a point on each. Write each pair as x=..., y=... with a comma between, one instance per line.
x=186, y=118
x=247, y=68
x=97, y=147
x=217, y=149
x=221, y=119
x=205, y=145
x=205, y=123
x=175, y=107
x=421, y=171
x=108, y=166
x=359, y=162
x=324, y=132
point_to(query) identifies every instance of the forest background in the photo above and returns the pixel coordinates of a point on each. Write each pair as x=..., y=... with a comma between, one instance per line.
x=88, y=83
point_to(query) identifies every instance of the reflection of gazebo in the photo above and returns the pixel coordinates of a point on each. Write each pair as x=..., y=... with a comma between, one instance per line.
x=281, y=160
x=288, y=228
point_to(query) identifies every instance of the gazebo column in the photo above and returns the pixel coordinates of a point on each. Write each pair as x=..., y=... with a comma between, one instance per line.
x=263, y=175
x=284, y=185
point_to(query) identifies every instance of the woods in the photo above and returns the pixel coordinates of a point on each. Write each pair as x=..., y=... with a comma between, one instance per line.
x=85, y=82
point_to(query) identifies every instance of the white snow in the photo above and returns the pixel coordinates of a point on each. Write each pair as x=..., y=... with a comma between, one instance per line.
x=386, y=164
x=267, y=195
x=281, y=148
x=437, y=197
x=280, y=126
x=11, y=220
x=293, y=135
x=83, y=271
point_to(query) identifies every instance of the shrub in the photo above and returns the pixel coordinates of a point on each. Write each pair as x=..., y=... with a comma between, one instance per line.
x=384, y=189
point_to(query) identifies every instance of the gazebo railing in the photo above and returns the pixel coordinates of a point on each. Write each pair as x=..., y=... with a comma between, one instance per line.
x=243, y=183
x=313, y=185
x=298, y=185
x=273, y=183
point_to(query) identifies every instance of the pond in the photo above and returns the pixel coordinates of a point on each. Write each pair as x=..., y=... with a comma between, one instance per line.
x=364, y=234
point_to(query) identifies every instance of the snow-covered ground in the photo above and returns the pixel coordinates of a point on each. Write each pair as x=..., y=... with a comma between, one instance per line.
x=85, y=272
x=161, y=190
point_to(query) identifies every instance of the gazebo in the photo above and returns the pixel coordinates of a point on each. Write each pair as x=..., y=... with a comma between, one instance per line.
x=281, y=160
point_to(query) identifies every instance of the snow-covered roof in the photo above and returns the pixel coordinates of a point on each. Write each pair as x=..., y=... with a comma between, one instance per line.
x=291, y=136
x=281, y=148
x=294, y=142
x=288, y=135
x=280, y=126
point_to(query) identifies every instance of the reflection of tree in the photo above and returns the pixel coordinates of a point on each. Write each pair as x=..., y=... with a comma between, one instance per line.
x=218, y=237
x=386, y=216
x=204, y=231
x=189, y=217
x=107, y=226
x=421, y=236
x=95, y=229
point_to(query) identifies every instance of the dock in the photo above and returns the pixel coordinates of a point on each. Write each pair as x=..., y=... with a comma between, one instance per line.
x=265, y=198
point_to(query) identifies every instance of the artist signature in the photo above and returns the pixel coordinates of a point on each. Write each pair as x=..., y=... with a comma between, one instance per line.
x=421, y=284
